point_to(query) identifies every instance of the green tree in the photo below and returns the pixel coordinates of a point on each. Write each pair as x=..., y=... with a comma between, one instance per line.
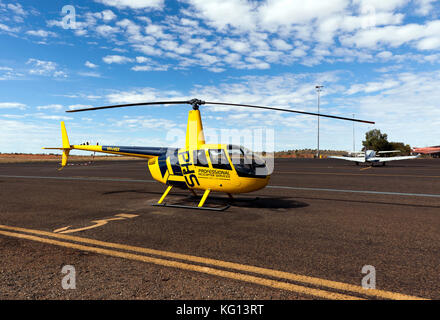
x=375, y=140
x=405, y=149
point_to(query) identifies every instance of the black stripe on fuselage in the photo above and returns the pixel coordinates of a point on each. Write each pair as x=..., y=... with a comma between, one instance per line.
x=149, y=151
x=175, y=166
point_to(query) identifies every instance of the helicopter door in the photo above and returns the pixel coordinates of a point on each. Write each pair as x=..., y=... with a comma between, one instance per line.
x=222, y=168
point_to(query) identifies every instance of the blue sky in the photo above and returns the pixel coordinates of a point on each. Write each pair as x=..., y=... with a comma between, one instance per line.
x=376, y=59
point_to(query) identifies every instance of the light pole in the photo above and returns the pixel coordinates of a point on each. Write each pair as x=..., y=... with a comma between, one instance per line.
x=318, y=90
x=354, y=146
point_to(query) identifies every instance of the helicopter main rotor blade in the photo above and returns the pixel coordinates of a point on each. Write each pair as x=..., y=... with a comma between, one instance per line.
x=288, y=110
x=130, y=105
x=196, y=103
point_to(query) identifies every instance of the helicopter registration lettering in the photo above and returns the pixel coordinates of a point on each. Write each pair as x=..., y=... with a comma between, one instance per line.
x=113, y=149
x=190, y=176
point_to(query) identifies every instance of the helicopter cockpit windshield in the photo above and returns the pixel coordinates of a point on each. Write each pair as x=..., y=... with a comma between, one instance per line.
x=246, y=162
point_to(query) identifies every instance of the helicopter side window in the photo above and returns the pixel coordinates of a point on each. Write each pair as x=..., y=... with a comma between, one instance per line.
x=241, y=164
x=200, y=159
x=236, y=156
x=219, y=160
x=246, y=163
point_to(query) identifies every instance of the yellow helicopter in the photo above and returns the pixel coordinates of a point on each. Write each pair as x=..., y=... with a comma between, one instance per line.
x=198, y=166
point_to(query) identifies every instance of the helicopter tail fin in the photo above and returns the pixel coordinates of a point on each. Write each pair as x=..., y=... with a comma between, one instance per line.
x=66, y=146
x=65, y=138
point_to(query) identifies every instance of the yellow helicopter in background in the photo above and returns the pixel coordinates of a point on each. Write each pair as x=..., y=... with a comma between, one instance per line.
x=197, y=166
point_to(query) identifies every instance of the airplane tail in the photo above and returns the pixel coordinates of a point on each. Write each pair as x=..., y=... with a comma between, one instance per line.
x=66, y=146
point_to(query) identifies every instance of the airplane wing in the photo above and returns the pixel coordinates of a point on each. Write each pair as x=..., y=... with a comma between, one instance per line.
x=354, y=159
x=391, y=151
x=377, y=159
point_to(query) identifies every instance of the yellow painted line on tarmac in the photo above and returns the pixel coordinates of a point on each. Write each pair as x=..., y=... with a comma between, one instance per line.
x=189, y=267
x=367, y=168
x=359, y=174
x=97, y=223
x=61, y=229
x=230, y=265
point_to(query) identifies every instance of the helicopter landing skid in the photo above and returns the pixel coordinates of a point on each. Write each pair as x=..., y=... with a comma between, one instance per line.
x=191, y=207
x=199, y=207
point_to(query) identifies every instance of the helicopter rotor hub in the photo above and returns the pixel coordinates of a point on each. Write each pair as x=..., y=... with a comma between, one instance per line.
x=196, y=103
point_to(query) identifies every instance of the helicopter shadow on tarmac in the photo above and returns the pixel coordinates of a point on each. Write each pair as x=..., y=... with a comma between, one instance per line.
x=182, y=198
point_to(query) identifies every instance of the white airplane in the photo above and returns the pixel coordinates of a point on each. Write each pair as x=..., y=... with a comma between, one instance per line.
x=371, y=157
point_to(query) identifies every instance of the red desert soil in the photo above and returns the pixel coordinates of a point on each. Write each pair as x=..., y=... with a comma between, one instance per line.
x=29, y=157
x=24, y=157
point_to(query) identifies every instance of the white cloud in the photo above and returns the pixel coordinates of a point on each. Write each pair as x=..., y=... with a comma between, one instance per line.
x=206, y=59
x=149, y=123
x=395, y=36
x=17, y=9
x=150, y=68
x=41, y=33
x=372, y=87
x=280, y=44
x=90, y=65
x=142, y=59
x=283, y=32
x=244, y=34
x=45, y=68
x=7, y=73
x=54, y=107
x=52, y=117
x=90, y=74
x=29, y=139
x=132, y=29
x=6, y=28
x=222, y=14
x=430, y=43
x=155, y=30
x=106, y=30
x=424, y=6
x=12, y=116
x=239, y=46
x=385, y=55
x=380, y=5
x=148, y=50
x=142, y=68
x=116, y=59
x=147, y=64
x=274, y=14
x=175, y=47
x=78, y=106
x=12, y=105
x=108, y=15
x=404, y=105
x=409, y=111
x=133, y=4
x=142, y=95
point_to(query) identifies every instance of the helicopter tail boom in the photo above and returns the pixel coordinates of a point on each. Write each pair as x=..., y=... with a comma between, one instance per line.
x=141, y=152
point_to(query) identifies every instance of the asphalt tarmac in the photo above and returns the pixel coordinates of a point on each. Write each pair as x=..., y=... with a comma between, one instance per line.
x=308, y=235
